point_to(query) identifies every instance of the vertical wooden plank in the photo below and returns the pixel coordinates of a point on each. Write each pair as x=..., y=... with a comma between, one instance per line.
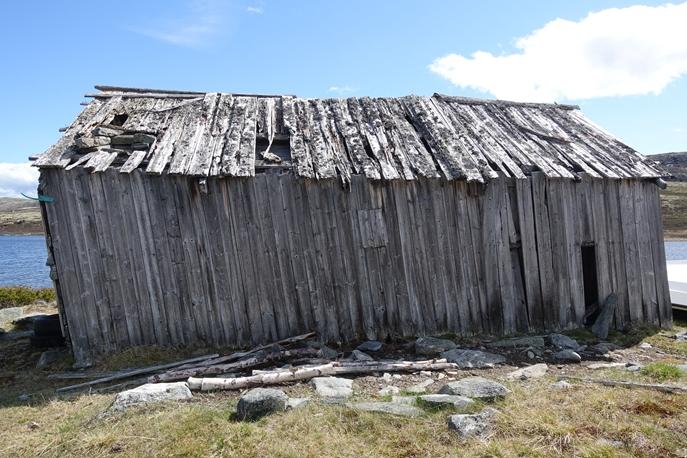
x=80, y=244
x=66, y=264
x=528, y=250
x=112, y=271
x=407, y=253
x=631, y=250
x=279, y=241
x=291, y=203
x=492, y=244
x=646, y=267
x=549, y=293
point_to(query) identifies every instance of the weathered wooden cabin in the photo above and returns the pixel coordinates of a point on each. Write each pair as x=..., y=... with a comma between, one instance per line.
x=186, y=218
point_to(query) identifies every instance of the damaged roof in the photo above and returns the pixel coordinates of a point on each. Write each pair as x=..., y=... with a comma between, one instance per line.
x=405, y=138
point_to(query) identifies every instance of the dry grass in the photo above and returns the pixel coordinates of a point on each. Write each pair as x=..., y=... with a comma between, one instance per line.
x=536, y=420
x=674, y=208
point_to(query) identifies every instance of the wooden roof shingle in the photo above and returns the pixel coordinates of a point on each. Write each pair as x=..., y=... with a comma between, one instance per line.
x=455, y=138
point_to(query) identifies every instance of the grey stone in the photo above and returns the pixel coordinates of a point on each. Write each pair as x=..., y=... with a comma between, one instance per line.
x=533, y=371
x=467, y=426
x=526, y=341
x=432, y=345
x=297, y=403
x=407, y=400
x=388, y=407
x=370, y=345
x=603, y=321
x=10, y=314
x=327, y=353
x=561, y=385
x=633, y=368
x=645, y=346
x=564, y=342
x=358, y=355
x=420, y=387
x=389, y=390
x=567, y=356
x=475, y=387
x=472, y=359
x=683, y=368
x=333, y=389
x=152, y=392
x=447, y=400
x=49, y=357
x=258, y=402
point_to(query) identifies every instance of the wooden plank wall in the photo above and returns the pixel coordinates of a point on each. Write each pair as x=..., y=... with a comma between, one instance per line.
x=147, y=259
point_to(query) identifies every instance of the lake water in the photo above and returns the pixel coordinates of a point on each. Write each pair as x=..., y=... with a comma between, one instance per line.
x=22, y=259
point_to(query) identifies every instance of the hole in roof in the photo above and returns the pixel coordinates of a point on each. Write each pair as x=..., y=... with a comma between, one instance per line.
x=280, y=147
x=119, y=119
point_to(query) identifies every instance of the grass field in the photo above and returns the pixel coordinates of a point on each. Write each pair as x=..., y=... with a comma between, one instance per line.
x=674, y=209
x=536, y=419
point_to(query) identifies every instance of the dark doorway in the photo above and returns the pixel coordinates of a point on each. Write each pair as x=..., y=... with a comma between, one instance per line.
x=591, y=287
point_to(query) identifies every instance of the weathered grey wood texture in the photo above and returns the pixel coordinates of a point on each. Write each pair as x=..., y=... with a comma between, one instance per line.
x=407, y=138
x=144, y=259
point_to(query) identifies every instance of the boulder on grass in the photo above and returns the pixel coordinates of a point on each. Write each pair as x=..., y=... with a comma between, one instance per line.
x=475, y=387
x=467, y=426
x=152, y=392
x=333, y=389
x=525, y=373
x=563, y=342
x=432, y=345
x=259, y=402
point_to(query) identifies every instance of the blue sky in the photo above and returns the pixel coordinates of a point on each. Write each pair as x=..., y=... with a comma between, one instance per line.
x=626, y=67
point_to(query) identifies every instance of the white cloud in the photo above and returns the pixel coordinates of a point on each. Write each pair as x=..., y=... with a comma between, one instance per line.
x=614, y=52
x=17, y=178
x=341, y=89
x=196, y=28
x=255, y=9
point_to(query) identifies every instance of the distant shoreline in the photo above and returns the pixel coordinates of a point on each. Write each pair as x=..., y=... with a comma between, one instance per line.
x=22, y=229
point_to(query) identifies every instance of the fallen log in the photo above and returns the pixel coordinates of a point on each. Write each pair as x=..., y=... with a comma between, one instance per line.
x=674, y=389
x=268, y=378
x=134, y=372
x=334, y=368
x=244, y=364
x=242, y=354
x=368, y=367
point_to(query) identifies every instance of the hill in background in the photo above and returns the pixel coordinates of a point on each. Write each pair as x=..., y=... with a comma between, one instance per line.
x=20, y=216
x=673, y=163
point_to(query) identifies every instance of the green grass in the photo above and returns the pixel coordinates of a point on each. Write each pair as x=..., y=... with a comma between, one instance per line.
x=17, y=296
x=662, y=371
